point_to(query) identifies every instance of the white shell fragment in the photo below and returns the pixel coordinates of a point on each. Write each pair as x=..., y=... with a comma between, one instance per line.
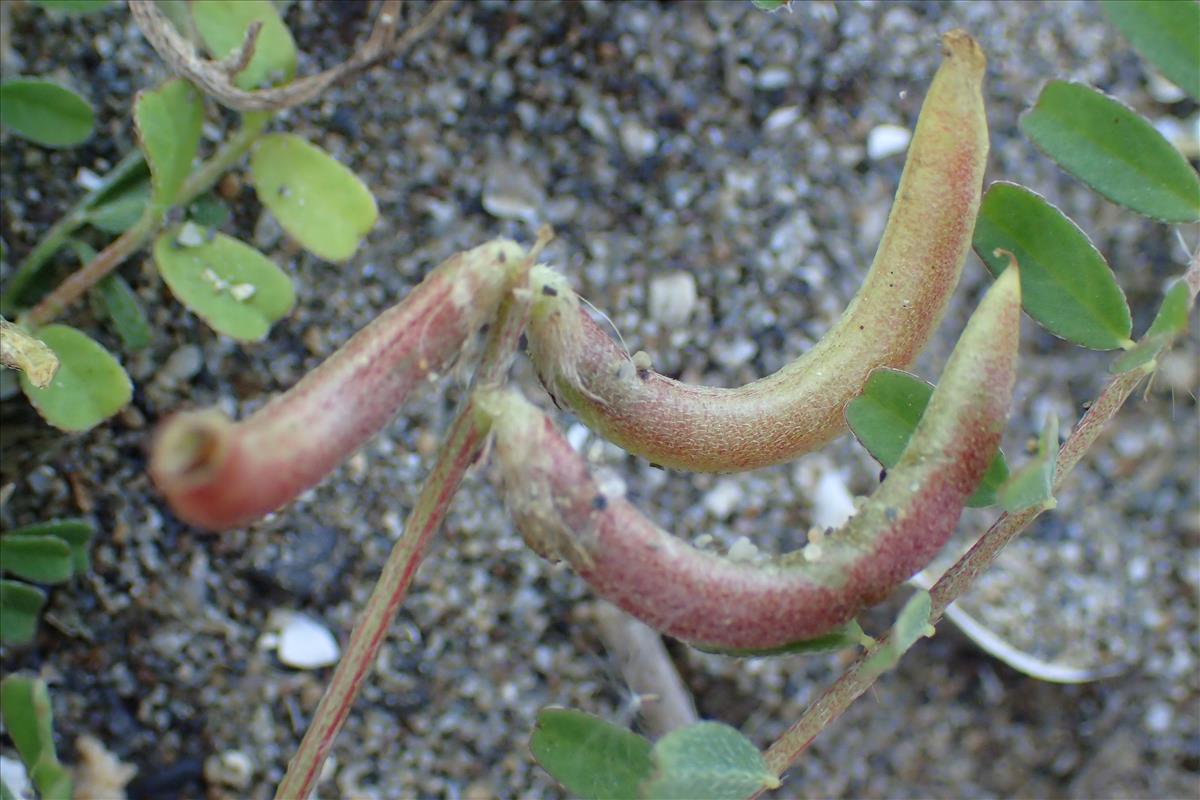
x=832, y=502
x=672, y=298
x=887, y=140
x=306, y=644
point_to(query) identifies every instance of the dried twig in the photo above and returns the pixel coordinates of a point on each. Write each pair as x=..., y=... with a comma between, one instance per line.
x=215, y=77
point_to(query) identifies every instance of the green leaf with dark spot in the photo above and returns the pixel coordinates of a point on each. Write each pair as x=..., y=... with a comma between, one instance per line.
x=591, y=758
x=44, y=112
x=168, y=121
x=1033, y=483
x=707, y=761
x=1164, y=32
x=227, y=283
x=222, y=25
x=20, y=606
x=89, y=387
x=885, y=415
x=123, y=309
x=77, y=533
x=41, y=559
x=1066, y=285
x=849, y=635
x=1114, y=150
x=321, y=203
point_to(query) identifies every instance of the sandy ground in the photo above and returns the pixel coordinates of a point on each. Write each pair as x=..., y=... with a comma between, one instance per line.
x=708, y=140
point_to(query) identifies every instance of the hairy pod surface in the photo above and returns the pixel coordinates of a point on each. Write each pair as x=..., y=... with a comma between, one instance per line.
x=726, y=604
x=888, y=323
x=218, y=474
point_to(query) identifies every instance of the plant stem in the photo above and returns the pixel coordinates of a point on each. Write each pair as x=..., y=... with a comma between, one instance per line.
x=855, y=681
x=132, y=240
x=54, y=238
x=463, y=444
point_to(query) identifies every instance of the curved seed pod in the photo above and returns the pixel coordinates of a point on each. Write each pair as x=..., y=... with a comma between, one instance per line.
x=219, y=474
x=800, y=407
x=727, y=604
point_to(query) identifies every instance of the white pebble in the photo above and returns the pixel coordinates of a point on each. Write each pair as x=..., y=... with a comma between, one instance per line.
x=512, y=193
x=306, y=644
x=887, y=140
x=15, y=777
x=735, y=353
x=1158, y=718
x=722, y=499
x=672, y=298
x=1163, y=90
x=577, y=436
x=832, y=502
x=780, y=120
x=638, y=140
x=774, y=78
x=232, y=768
x=87, y=179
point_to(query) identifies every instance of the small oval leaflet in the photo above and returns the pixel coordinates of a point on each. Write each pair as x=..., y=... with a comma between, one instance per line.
x=1113, y=150
x=1165, y=33
x=168, y=121
x=20, y=605
x=37, y=558
x=227, y=283
x=885, y=415
x=222, y=25
x=590, y=757
x=1066, y=285
x=321, y=203
x=707, y=761
x=89, y=387
x=44, y=112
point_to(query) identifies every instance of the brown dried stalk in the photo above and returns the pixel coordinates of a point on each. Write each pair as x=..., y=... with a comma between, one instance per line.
x=215, y=77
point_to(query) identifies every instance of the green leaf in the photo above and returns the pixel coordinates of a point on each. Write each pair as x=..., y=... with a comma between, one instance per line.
x=591, y=758
x=168, y=121
x=41, y=559
x=707, y=761
x=1033, y=483
x=73, y=6
x=1172, y=316
x=1066, y=285
x=323, y=205
x=227, y=283
x=1143, y=352
x=44, y=112
x=209, y=211
x=77, y=533
x=121, y=208
x=121, y=306
x=222, y=25
x=772, y=5
x=912, y=624
x=849, y=635
x=1114, y=150
x=20, y=605
x=89, y=387
x=885, y=415
x=1164, y=32
x=25, y=706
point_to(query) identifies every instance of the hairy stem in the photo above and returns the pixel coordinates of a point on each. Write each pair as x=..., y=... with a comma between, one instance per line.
x=723, y=603
x=132, y=240
x=463, y=444
x=956, y=580
x=218, y=474
x=800, y=407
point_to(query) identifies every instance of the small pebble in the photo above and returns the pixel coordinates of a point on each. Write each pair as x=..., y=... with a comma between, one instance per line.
x=885, y=141
x=306, y=644
x=832, y=502
x=672, y=298
x=734, y=353
x=232, y=768
x=637, y=140
x=510, y=192
x=723, y=499
x=181, y=365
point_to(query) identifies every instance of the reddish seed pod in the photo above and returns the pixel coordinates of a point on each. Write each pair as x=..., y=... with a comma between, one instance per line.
x=219, y=474
x=727, y=604
x=799, y=408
